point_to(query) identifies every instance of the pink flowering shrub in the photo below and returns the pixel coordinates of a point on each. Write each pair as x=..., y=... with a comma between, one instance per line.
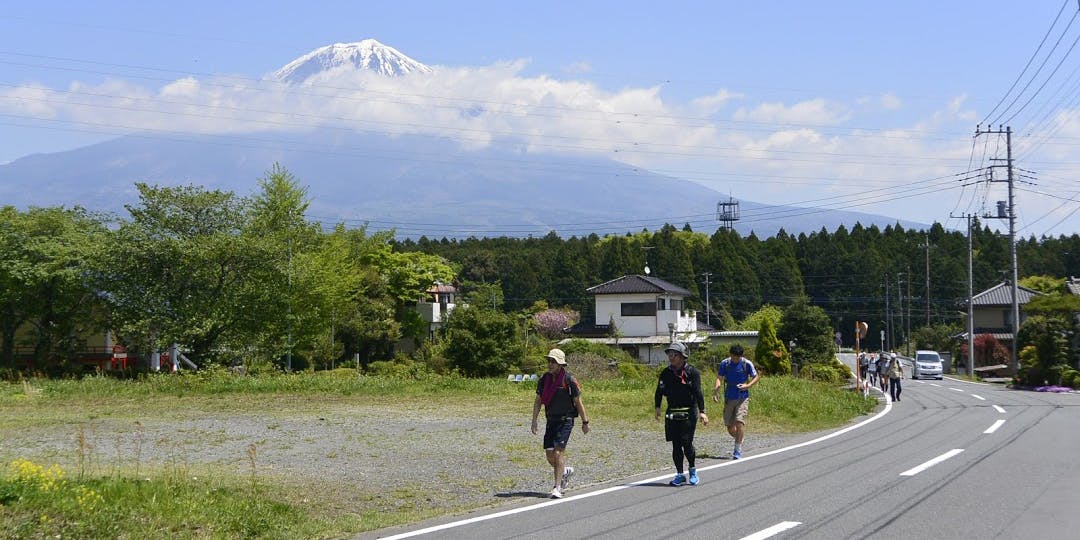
x=551, y=322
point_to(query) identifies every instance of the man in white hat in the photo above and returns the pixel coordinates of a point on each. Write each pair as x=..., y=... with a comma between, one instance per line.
x=560, y=394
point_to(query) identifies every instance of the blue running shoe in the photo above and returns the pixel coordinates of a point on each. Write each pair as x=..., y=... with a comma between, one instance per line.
x=693, y=477
x=736, y=454
x=679, y=480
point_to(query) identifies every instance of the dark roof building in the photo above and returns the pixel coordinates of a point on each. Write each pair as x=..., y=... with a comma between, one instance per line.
x=634, y=284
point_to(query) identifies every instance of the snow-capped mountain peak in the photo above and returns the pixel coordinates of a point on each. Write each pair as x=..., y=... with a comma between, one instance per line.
x=369, y=55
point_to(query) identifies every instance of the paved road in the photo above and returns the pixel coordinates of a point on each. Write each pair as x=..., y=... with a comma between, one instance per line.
x=951, y=460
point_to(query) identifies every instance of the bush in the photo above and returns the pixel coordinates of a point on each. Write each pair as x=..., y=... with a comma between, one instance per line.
x=597, y=349
x=400, y=369
x=1070, y=378
x=1055, y=374
x=833, y=372
x=589, y=366
x=482, y=342
x=636, y=371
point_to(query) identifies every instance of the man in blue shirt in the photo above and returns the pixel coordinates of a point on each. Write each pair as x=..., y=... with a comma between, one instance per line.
x=739, y=375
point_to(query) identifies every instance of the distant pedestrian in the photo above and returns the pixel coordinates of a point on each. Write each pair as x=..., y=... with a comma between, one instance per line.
x=560, y=394
x=896, y=374
x=737, y=374
x=681, y=384
x=883, y=371
x=864, y=364
x=872, y=373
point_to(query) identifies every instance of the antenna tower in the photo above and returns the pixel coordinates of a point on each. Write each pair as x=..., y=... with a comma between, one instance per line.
x=727, y=213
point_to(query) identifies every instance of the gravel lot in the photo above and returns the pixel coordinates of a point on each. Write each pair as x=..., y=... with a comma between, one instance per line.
x=355, y=457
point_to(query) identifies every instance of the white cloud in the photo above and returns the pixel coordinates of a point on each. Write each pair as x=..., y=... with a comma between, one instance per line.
x=816, y=111
x=708, y=105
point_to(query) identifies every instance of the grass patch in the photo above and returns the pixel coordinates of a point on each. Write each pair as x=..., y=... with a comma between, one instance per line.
x=40, y=502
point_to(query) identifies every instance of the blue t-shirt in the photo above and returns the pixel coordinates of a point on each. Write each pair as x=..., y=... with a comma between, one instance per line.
x=734, y=375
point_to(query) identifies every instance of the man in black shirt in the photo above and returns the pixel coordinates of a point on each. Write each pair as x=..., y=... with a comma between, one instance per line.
x=681, y=383
x=560, y=394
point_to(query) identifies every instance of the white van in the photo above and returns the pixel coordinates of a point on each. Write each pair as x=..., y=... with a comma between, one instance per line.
x=926, y=364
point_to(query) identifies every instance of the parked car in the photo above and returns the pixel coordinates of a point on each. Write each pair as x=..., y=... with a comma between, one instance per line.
x=926, y=364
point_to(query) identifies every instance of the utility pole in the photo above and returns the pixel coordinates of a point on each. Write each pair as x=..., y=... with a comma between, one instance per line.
x=888, y=316
x=900, y=305
x=1007, y=131
x=908, y=332
x=927, y=280
x=971, y=302
x=708, y=305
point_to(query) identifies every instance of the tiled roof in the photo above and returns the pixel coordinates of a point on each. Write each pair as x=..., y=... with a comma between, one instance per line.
x=1000, y=336
x=1001, y=295
x=636, y=284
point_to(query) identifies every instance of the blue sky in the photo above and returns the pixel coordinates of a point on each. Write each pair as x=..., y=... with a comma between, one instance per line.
x=849, y=104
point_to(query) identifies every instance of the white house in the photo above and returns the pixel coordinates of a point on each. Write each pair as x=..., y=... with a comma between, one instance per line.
x=640, y=314
x=436, y=304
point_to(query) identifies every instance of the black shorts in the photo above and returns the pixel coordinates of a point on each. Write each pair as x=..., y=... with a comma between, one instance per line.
x=557, y=432
x=680, y=430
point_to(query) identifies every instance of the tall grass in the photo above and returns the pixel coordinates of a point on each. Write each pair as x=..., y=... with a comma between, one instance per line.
x=39, y=502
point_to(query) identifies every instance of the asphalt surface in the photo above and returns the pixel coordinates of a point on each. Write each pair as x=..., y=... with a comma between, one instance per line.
x=951, y=459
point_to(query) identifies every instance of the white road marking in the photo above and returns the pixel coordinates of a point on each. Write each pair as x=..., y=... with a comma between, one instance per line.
x=994, y=427
x=999, y=409
x=772, y=531
x=955, y=389
x=664, y=478
x=935, y=384
x=916, y=470
x=978, y=397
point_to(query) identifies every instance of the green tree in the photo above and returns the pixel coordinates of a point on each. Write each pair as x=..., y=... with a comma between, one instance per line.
x=1051, y=339
x=936, y=337
x=484, y=295
x=43, y=285
x=481, y=342
x=285, y=287
x=810, y=327
x=180, y=271
x=1044, y=284
x=754, y=320
x=770, y=352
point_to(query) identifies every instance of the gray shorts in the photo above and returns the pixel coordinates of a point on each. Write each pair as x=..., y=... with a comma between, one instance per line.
x=736, y=410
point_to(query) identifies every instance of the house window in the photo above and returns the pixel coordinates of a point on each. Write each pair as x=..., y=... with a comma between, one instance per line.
x=638, y=309
x=672, y=304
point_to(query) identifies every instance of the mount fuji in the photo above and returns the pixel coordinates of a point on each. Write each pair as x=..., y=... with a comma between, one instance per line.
x=369, y=55
x=415, y=184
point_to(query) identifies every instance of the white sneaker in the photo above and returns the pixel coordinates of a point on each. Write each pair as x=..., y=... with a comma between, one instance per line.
x=556, y=493
x=567, y=473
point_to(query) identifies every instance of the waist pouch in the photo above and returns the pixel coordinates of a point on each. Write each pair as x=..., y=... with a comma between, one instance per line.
x=678, y=414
